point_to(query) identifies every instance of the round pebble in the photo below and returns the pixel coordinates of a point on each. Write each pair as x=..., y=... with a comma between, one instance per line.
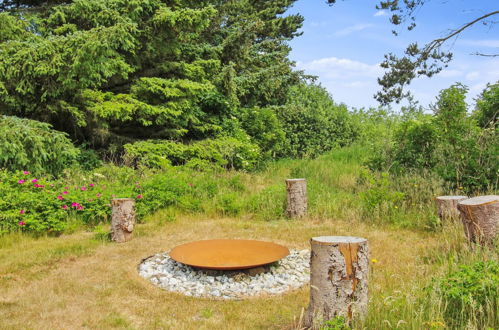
x=288, y=273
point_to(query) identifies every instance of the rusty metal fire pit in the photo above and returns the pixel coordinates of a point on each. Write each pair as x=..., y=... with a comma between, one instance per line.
x=228, y=254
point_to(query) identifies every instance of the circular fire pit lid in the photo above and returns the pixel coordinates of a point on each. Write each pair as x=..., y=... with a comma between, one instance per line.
x=228, y=254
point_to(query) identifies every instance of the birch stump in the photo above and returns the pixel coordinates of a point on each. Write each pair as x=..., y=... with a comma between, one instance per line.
x=123, y=219
x=480, y=216
x=297, y=197
x=447, y=207
x=338, y=278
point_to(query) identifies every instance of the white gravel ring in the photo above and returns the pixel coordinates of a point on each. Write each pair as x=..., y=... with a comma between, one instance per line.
x=289, y=273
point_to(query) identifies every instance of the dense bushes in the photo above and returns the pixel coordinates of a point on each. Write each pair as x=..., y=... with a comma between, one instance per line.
x=313, y=123
x=450, y=143
x=226, y=152
x=28, y=143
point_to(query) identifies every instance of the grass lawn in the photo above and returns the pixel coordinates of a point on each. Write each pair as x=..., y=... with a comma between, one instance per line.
x=76, y=281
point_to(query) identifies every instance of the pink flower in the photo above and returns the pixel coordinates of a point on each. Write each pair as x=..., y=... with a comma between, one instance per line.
x=83, y=188
x=91, y=185
x=74, y=204
x=60, y=198
x=64, y=207
x=65, y=192
x=22, y=212
x=21, y=181
x=34, y=180
x=21, y=223
x=79, y=207
x=190, y=184
x=35, y=185
x=139, y=196
x=66, y=188
x=25, y=172
x=99, y=195
x=40, y=186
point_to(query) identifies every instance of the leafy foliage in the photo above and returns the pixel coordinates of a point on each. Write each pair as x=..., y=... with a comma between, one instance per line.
x=226, y=152
x=31, y=144
x=487, y=107
x=471, y=293
x=338, y=323
x=451, y=143
x=313, y=123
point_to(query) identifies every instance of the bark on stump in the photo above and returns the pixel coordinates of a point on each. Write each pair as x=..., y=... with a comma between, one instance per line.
x=338, y=278
x=480, y=216
x=123, y=219
x=447, y=207
x=297, y=197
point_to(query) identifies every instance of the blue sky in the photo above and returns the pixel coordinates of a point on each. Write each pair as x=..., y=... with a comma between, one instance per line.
x=344, y=44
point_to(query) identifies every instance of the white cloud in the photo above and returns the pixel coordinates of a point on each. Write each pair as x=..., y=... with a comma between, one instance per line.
x=350, y=81
x=491, y=43
x=334, y=67
x=380, y=13
x=351, y=29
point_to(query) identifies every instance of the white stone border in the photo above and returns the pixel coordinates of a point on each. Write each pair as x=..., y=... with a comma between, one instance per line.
x=289, y=273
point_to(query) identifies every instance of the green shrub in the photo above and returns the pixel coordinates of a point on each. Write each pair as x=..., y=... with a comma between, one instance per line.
x=229, y=204
x=265, y=130
x=449, y=143
x=313, y=123
x=338, y=323
x=269, y=203
x=416, y=143
x=471, y=293
x=88, y=159
x=35, y=145
x=379, y=195
x=226, y=152
x=487, y=106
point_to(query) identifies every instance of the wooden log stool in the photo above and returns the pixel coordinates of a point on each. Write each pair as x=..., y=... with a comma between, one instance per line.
x=123, y=219
x=447, y=207
x=339, y=267
x=480, y=216
x=297, y=197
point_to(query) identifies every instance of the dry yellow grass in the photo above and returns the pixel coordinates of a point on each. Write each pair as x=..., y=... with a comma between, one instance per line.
x=74, y=281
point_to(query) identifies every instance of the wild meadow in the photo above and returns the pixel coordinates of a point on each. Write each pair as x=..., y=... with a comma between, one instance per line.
x=195, y=111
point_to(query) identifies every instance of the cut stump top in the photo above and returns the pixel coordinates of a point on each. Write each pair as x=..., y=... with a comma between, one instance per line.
x=338, y=239
x=480, y=200
x=450, y=197
x=228, y=254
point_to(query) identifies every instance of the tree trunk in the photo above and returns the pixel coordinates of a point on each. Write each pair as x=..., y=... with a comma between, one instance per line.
x=297, y=197
x=123, y=219
x=338, y=278
x=480, y=216
x=447, y=207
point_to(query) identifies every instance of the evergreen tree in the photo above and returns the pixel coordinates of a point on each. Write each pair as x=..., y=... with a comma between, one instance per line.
x=114, y=71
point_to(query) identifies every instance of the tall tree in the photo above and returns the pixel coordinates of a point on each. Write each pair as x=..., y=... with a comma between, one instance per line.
x=113, y=71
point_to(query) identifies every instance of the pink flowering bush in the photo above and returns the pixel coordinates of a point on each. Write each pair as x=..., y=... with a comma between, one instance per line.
x=45, y=205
